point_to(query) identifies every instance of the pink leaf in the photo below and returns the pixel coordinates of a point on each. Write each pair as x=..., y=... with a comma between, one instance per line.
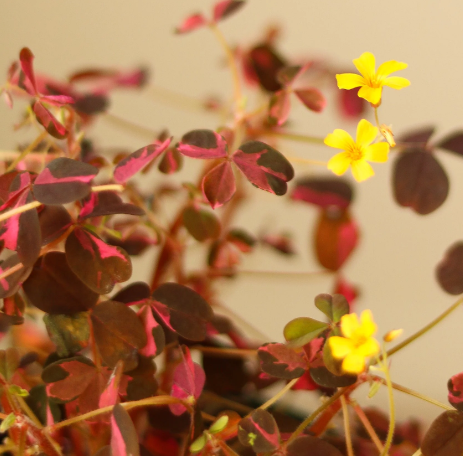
x=312, y=99
x=124, y=439
x=110, y=394
x=57, y=100
x=279, y=108
x=154, y=333
x=26, y=59
x=219, y=185
x=191, y=23
x=203, y=144
x=130, y=165
x=48, y=121
x=226, y=8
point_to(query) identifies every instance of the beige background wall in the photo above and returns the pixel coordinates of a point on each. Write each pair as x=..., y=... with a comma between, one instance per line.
x=395, y=261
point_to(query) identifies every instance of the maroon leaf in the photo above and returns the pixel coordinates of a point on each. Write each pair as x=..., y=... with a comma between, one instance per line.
x=203, y=144
x=336, y=236
x=142, y=383
x=10, y=285
x=323, y=377
x=445, y=436
x=226, y=8
x=133, y=294
x=223, y=255
x=421, y=135
x=137, y=160
x=455, y=387
x=242, y=240
x=264, y=166
x=91, y=104
x=54, y=221
x=124, y=438
x=351, y=105
x=99, y=265
x=107, y=203
x=219, y=185
x=21, y=232
x=119, y=333
x=453, y=143
x=312, y=99
x=183, y=310
x=171, y=162
x=449, y=271
x=289, y=74
x=63, y=181
x=260, y=431
x=57, y=100
x=280, y=361
x=419, y=181
x=110, y=395
x=6, y=181
x=324, y=192
x=26, y=59
x=55, y=289
x=154, y=333
x=279, y=107
x=266, y=64
x=308, y=444
x=191, y=23
x=201, y=224
x=281, y=243
x=49, y=121
x=188, y=381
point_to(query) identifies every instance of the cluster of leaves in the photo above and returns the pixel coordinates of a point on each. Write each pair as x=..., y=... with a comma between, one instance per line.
x=72, y=217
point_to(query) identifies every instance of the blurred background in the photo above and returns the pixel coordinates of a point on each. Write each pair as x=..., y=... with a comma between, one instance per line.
x=395, y=262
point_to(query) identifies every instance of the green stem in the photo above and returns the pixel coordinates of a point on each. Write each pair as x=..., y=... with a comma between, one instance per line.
x=28, y=149
x=292, y=136
x=127, y=124
x=424, y=330
x=280, y=393
x=376, y=117
x=390, y=431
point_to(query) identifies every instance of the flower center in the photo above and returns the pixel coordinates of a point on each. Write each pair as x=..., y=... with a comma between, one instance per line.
x=355, y=153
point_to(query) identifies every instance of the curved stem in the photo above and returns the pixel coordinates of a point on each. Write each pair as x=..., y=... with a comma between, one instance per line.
x=280, y=393
x=377, y=117
x=390, y=431
x=28, y=149
x=345, y=415
x=291, y=136
x=424, y=330
x=129, y=125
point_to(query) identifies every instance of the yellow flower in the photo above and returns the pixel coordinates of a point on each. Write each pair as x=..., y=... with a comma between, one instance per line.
x=372, y=81
x=356, y=153
x=357, y=344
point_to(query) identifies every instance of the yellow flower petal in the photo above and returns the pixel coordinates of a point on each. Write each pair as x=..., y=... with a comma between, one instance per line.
x=340, y=346
x=349, y=81
x=366, y=65
x=366, y=133
x=367, y=324
x=371, y=94
x=369, y=348
x=353, y=364
x=386, y=68
x=362, y=170
x=377, y=152
x=339, y=163
x=396, y=82
x=339, y=139
x=349, y=324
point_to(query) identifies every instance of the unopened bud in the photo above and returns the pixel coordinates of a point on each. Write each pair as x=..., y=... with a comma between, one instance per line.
x=387, y=134
x=391, y=335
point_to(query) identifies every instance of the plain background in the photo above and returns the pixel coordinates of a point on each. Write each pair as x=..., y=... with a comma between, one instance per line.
x=399, y=249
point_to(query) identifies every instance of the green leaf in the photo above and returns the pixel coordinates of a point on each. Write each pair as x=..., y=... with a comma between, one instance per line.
x=198, y=444
x=7, y=422
x=9, y=362
x=219, y=425
x=16, y=390
x=334, y=307
x=302, y=330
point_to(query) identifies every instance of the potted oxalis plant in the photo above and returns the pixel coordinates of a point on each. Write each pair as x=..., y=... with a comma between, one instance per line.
x=99, y=367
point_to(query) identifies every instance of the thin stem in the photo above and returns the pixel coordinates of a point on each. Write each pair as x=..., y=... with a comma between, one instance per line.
x=417, y=452
x=368, y=427
x=28, y=149
x=414, y=393
x=157, y=400
x=424, y=330
x=310, y=418
x=377, y=117
x=306, y=161
x=29, y=412
x=280, y=393
x=226, y=352
x=231, y=63
x=291, y=136
x=345, y=415
x=128, y=125
x=10, y=271
x=106, y=187
x=390, y=431
x=285, y=274
x=32, y=156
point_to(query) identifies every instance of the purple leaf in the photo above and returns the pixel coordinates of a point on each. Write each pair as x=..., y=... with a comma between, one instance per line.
x=308, y=444
x=63, y=181
x=455, y=387
x=137, y=160
x=279, y=108
x=91, y=104
x=453, y=143
x=203, y=144
x=110, y=395
x=278, y=360
x=188, y=381
x=266, y=64
x=10, y=285
x=419, y=181
x=350, y=104
x=264, y=166
x=421, y=135
x=26, y=59
x=55, y=289
x=449, y=271
x=49, y=121
x=201, y=224
x=124, y=438
x=219, y=185
x=191, y=23
x=226, y=8
x=99, y=265
x=324, y=191
x=171, y=162
x=259, y=430
x=133, y=294
x=99, y=204
x=54, y=221
x=312, y=99
x=445, y=435
x=154, y=333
